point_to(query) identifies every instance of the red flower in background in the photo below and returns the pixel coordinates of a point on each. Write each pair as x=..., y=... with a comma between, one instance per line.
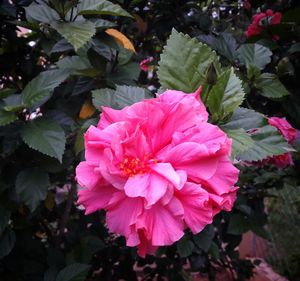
x=247, y=5
x=144, y=64
x=261, y=20
x=290, y=134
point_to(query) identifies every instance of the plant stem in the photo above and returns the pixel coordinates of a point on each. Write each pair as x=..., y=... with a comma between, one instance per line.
x=66, y=214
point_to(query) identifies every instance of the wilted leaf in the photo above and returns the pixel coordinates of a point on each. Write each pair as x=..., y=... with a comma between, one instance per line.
x=121, y=38
x=87, y=110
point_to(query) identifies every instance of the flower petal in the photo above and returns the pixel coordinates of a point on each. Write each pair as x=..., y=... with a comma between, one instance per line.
x=224, y=178
x=122, y=213
x=96, y=198
x=150, y=186
x=87, y=175
x=155, y=220
x=197, y=210
x=167, y=171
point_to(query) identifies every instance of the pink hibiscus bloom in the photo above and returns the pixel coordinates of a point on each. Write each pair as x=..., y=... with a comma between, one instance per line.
x=157, y=167
x=290, y=134
x=261, y=20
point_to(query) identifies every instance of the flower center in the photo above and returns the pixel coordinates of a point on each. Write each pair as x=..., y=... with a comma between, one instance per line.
x=132, y=166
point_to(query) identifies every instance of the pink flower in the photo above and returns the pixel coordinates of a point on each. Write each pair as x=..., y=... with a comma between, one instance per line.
x=290, y=134
x=22, y=31
x=247, y=5
x=261, y=20
x=157, y=167
x=144, y=64
x=284, y=127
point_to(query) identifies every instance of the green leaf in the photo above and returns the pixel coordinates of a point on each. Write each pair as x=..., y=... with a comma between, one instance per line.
x=252, y=72
x=184, y=63
x=185, y=246
x=295, y=48
x=245, y=118
x=241, y=141
x=32, y=186
x=205, y=238
x=104, y=97
x=119, y=98
x=225, y=44
x=238, y=224
x=103, y=24
x=254, y=54
x=39, y=90
x=214, y=251
x=79, y=141
x=74, y=64
x=270, y=86
x=126, y=74
x=45, y=136
x=7, y=242
x=7, y=117
x=100, y=7
x=267, y=142
x=4, y=93
x=41, y=12
x=73, y=272
x=260, y=231
x=4, y=218
x=62, y=46
x=13, y=103
x=76, y=33
x=226, y=95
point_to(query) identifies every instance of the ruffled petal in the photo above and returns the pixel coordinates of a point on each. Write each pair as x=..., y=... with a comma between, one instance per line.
x=224, y=178
x=167, y=171
x=122, y=213
x=96, y=198
x=197, y=210
x=163, y=225
x=150, y=186
x=87, y=175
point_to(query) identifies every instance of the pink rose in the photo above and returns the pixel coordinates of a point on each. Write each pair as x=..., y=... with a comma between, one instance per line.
x=157, y=167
